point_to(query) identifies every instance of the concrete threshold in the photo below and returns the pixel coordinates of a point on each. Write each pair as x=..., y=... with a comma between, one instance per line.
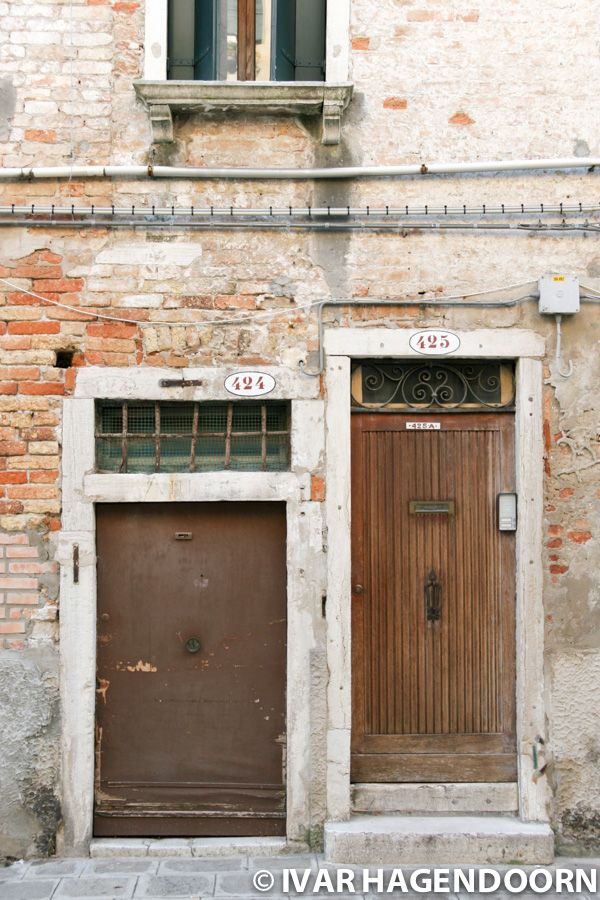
x=438, y=840
x=104, y=848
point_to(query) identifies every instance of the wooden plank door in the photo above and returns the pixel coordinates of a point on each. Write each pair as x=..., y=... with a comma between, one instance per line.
x=190, y=713
x=433, y=603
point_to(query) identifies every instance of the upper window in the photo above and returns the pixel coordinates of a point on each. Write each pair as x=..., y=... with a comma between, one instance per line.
x=246, y=40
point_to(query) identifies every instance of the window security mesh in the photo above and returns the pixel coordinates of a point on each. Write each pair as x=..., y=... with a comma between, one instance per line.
x=192, y=437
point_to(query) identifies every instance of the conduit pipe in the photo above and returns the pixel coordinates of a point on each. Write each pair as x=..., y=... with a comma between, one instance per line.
x=150, y=171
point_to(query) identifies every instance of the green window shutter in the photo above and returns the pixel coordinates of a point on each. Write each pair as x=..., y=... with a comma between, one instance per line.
x=180, y=43
x=284, y=52
x=205, y=32
x=310, y=40
x=299, y=53
x=191, y=40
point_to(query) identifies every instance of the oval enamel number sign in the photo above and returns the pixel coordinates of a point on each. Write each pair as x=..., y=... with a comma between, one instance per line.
x=435, y=342
x=249, y=384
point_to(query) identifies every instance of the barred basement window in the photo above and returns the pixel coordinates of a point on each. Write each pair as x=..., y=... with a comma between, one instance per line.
x=136, y=436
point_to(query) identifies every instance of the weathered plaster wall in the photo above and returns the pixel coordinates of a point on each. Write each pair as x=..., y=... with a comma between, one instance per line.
x=29, y=725
x=432, y=81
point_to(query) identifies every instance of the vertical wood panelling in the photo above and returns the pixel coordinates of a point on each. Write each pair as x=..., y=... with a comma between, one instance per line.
x=451, y=679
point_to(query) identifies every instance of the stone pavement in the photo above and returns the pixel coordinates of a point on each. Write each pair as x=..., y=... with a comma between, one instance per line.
x=193, y=878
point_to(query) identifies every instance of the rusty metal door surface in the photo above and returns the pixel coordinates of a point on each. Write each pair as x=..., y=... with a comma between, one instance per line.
x=190, y=711
x=433, y=604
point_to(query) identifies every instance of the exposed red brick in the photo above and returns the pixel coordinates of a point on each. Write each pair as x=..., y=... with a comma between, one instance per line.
x=8, y=387
x=42, y=476
x=360, y=43
x=34, y=271
x=461, y=118
x=32, y=387
x=421, y=15
x=58, y=285
x=44, y=137
x=579, y=537
x=18, y=298
x=395, y=103
x=28, y=373
x=13, y=477
x=47, y=256
x=566, y=492
x=555, y=542
x=12, y=627
x=70, y=378
x=33, y=327
x=555, y=529
x=31, y=492
x=111, y=330
x=13, y=448
x=126, y=7
x=317, y=488
x=556, y=569
x=15, y=342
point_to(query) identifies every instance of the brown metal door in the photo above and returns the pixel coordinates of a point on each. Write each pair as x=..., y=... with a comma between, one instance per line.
x=433, y=608
x=190, y=712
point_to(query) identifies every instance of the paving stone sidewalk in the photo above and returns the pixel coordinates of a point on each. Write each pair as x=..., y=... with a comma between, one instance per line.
x=199, y=877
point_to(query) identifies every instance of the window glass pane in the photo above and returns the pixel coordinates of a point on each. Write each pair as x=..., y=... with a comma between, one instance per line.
x=246, y=453
x=175, y=454
x=263, y=40
x=140, y=418
x=111, y=419
x=108, y=454
x=141, y=455
x=278, y=456
x=176, y=418
x=230, y=27
x=246, y=418
x=210, y=453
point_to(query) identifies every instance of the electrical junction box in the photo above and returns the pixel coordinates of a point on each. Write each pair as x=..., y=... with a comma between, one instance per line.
x=559, y=294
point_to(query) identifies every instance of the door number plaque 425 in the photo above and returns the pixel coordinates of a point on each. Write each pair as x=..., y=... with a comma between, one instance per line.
x=434, y=342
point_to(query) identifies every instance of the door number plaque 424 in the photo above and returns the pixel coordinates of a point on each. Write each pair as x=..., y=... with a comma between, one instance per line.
x=434, y=342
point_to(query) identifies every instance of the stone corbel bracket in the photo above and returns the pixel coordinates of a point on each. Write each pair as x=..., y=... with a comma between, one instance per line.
x=163, y=99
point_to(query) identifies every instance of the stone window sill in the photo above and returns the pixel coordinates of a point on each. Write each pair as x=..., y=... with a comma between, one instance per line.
x=165, y=98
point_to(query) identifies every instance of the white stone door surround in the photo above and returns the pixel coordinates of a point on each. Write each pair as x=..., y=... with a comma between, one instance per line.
x=82, y=488
x=527, y=349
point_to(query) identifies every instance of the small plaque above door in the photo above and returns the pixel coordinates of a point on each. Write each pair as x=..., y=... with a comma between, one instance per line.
x=431, y=506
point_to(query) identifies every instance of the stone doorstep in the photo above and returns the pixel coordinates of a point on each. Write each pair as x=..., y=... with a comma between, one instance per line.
x=438, y=840
x=104, y=848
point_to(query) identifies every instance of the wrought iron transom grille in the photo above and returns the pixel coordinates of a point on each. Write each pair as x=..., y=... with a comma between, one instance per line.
x=467, y=385
x=135, y=436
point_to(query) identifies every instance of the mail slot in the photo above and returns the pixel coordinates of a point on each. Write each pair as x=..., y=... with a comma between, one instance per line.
x=445, y=507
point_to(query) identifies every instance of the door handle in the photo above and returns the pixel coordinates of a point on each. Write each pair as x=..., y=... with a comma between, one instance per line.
x=433, y=597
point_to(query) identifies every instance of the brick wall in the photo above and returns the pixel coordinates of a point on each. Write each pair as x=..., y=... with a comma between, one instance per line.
x=432, y=82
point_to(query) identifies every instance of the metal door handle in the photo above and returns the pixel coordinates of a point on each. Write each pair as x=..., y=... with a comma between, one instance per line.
x=192, y=645
x=433, y=597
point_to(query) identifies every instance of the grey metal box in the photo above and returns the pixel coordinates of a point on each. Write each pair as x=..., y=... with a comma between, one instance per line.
x=559, y=294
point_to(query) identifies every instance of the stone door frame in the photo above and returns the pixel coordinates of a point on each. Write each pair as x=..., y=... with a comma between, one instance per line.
x=526, y=348
x=82, y=488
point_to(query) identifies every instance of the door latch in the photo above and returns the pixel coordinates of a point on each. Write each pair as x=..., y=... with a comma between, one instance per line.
x=433, y=597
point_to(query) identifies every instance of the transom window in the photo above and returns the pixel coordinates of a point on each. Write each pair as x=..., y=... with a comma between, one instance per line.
x=246, y=40
x=159, y=436
x=467, y=385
